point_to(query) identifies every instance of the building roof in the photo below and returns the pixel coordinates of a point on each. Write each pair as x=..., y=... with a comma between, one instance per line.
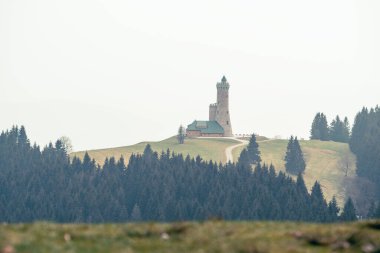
x=206, y=127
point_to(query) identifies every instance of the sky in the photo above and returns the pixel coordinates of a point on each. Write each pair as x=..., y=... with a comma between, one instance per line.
x=117, y=72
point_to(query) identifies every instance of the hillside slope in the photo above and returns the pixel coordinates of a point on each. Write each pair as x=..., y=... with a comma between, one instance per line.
x=207, y=148
x=327, y=162
x=218, y=236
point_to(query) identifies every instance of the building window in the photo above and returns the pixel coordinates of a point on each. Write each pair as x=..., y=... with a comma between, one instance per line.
x=227, y=122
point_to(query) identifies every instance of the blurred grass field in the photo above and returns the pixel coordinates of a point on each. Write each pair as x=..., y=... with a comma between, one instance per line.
x=210, y=236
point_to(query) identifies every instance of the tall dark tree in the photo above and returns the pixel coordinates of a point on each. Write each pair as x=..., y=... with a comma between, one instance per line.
x=371, y=214
x=315, y=133
x=340, y=130
x=349, y=212
x=136, y=214
x=319, y=128
x=333, y=210
x=318, y=203
x=253, y=150
x=365, y=144
x=376, y=213
x=294, y=160
x=181, y=135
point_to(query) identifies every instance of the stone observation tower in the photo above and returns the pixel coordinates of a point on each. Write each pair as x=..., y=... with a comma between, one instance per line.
x=220, y=111
x=219, y=123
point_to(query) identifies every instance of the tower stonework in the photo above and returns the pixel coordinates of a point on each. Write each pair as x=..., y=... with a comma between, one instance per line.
x=212, y=112
x=219, y=122
x=222, y=115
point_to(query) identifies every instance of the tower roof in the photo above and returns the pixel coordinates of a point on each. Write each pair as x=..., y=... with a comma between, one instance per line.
x=223, y=83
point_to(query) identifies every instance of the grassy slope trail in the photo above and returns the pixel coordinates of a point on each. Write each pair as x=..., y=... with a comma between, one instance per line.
x=218, y=236
x=230, y=149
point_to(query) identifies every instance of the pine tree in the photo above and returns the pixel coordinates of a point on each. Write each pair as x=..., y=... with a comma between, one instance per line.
x=22, y=138
x=318, y=203
x=340, y=130
x=377, y=212
x=349, y=212
x=333, y=209
x=315, y=133
x=244, y=158
x=253, y=151
x=372, y=211
x=346, y=130
x=319, y=128
x=136, y=214
x=323, y=128
x=294, y=160
x=181, y=135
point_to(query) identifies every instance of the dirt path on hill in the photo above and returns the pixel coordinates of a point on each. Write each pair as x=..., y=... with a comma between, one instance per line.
x=228, y=150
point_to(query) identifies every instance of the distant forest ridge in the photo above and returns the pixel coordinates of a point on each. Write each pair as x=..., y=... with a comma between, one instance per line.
x=47, y=185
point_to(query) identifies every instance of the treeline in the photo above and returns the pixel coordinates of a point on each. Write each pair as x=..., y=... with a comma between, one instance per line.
x=46, y=185
x=339, y=130
x=365, y=143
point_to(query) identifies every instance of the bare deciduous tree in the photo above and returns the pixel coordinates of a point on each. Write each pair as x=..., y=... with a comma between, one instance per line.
x=67, y=145
x=346, y=163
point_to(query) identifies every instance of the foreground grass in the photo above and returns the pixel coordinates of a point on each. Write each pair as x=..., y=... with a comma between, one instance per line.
x=210, y=236
x=208, y=149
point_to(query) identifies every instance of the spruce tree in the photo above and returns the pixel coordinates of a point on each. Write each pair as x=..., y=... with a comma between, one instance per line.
x=315, y=133
x=346, y=130
x=253, y=151
x=339, y=130
x=318, y=203
x=372, y=211
x=136, y=214
x=349, y=212
x=244, y=158
x=333, y=209
x=376, y=214
x=294, y=160
x=323, y=128
x=251, y=154
x=319, y=128
x=181, y=135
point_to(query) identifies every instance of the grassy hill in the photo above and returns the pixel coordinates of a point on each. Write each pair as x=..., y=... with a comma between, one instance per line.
x=207, y=148
x=217, y=236
x=326, y=162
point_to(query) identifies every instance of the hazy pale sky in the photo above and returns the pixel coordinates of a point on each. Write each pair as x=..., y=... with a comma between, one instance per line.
x=113, y=73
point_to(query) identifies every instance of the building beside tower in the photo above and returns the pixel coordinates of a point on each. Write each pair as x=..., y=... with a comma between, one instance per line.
x=219, y=123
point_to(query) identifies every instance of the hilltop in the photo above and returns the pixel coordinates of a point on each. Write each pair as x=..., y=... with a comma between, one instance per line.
x=207, y=148
x=331, y=163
